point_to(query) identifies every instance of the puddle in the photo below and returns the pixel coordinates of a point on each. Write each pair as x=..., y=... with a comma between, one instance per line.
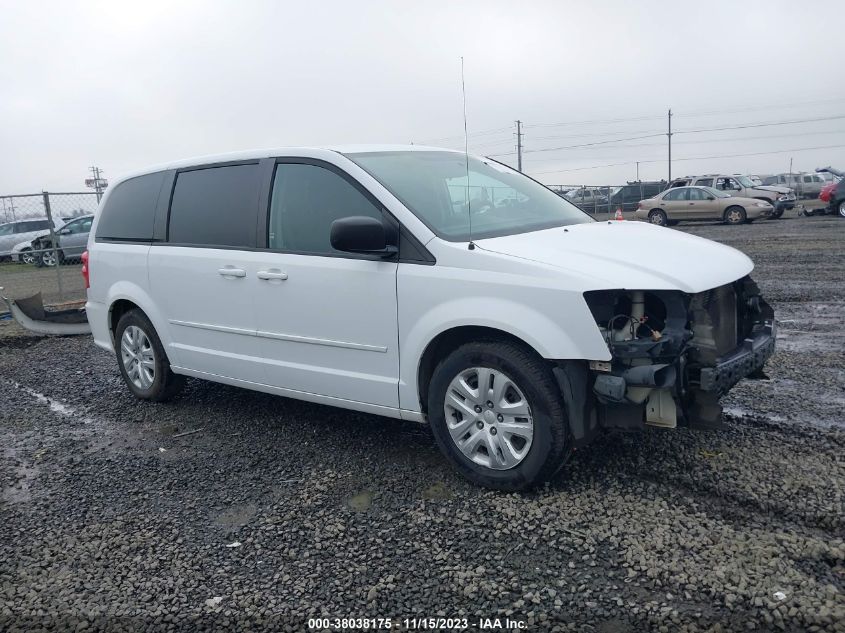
x=56, y=406
x=361, y=502
x=437, y=492
x=236, y=516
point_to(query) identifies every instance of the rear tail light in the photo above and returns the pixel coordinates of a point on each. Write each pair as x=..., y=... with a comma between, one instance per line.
x=639, y=205
x=86, y=270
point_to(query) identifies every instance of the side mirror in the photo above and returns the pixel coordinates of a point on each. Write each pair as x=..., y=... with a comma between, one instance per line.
x=711, y=197
x=361, y=234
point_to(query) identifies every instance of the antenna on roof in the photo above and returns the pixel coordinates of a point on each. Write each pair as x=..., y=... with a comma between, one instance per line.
x=466, y=153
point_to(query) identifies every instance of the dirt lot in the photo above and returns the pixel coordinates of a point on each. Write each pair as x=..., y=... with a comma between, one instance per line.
x=23, y=280
x=276, y=511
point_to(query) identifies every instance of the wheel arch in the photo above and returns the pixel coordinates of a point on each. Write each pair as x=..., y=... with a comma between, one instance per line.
x=733, y=206
x=125, y=296
x=449, y=340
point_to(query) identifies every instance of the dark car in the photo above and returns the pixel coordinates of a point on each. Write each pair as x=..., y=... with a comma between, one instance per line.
x=628, y=196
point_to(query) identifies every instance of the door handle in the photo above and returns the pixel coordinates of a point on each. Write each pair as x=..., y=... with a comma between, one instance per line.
x=269, y=275
x=232, y=272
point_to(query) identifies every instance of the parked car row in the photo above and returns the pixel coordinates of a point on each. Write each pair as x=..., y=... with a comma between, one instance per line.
x=626, y=197
x=805, y=185
x=781, y=198
x=28, y=241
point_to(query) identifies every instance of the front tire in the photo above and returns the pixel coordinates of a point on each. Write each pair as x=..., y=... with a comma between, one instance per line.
x=497, y=414
x=27, y=256
x=735, y=215
x=142, y=361
x=842, y=209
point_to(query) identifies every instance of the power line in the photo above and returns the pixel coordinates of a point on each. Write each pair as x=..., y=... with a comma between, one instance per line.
x=460, y=137
x=622, y=120
x=660, y=160
x=779, y=106
x=768, y=124
x=555, y=149
x=635, y=138
x=719, y=140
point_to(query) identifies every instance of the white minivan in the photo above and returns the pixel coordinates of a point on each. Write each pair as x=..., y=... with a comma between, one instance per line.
x=424, y=285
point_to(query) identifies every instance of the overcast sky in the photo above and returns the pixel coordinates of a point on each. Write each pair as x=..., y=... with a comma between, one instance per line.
x=126, y=84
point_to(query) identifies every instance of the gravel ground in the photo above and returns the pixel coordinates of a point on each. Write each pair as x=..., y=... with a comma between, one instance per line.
x=111, y=519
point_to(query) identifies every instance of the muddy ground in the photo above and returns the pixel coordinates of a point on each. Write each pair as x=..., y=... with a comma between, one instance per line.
x=116, y=515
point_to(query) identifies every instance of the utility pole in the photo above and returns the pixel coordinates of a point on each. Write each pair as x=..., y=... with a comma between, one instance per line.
x=638, y=171
x=97, y=182
x=519, y=145
x=669, y=136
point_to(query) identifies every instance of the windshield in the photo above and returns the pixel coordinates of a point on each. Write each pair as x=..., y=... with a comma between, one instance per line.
x=716, y=192
x=745, y=181
x=434, y=186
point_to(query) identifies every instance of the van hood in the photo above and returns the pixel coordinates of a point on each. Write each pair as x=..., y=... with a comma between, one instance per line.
x=632, y=255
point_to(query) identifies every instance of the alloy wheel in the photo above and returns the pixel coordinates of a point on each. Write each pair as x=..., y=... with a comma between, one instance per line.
x=27, y=257
x=489, y=418
x=842, y=209
x=48, y=258
x=138, y=357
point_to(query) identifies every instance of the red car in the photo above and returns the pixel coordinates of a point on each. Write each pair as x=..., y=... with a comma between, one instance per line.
x=827, y=192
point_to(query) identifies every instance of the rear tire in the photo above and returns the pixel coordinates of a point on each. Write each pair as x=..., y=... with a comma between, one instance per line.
x=842, y=209
x=486, y=447
x=658, y=217
x=142, y=361
x=735, y=215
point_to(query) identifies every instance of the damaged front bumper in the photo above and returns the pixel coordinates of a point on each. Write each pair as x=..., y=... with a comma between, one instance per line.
x=673, y=355
x=747, y=360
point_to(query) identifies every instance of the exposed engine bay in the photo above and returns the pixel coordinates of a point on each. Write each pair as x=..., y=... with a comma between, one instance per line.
x=673, y=354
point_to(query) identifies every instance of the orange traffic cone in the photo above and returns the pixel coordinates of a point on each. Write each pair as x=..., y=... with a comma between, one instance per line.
x=619, y=215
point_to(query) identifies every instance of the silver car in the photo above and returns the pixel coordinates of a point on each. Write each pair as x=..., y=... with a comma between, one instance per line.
x=72, y=239
x=13, y=233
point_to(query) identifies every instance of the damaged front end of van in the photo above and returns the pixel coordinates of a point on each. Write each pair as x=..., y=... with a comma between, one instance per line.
x=673, y=355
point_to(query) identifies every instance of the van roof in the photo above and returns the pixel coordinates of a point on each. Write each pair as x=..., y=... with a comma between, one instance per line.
x=255, y=154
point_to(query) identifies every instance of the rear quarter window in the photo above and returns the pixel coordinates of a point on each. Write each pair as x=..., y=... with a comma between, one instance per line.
x=215, y=206
x=129, y=212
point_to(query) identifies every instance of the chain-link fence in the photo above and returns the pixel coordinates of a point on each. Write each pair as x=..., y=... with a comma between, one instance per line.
x=607, y=199
x=42, y=237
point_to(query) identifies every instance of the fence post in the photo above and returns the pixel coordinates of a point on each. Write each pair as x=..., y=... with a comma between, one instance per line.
x=54, y=243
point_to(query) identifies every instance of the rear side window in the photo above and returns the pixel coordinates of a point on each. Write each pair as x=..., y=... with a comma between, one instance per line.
x=704, y=182
x=129, y=212
x=32, y=225
x=216, y=206
x=676, y=194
